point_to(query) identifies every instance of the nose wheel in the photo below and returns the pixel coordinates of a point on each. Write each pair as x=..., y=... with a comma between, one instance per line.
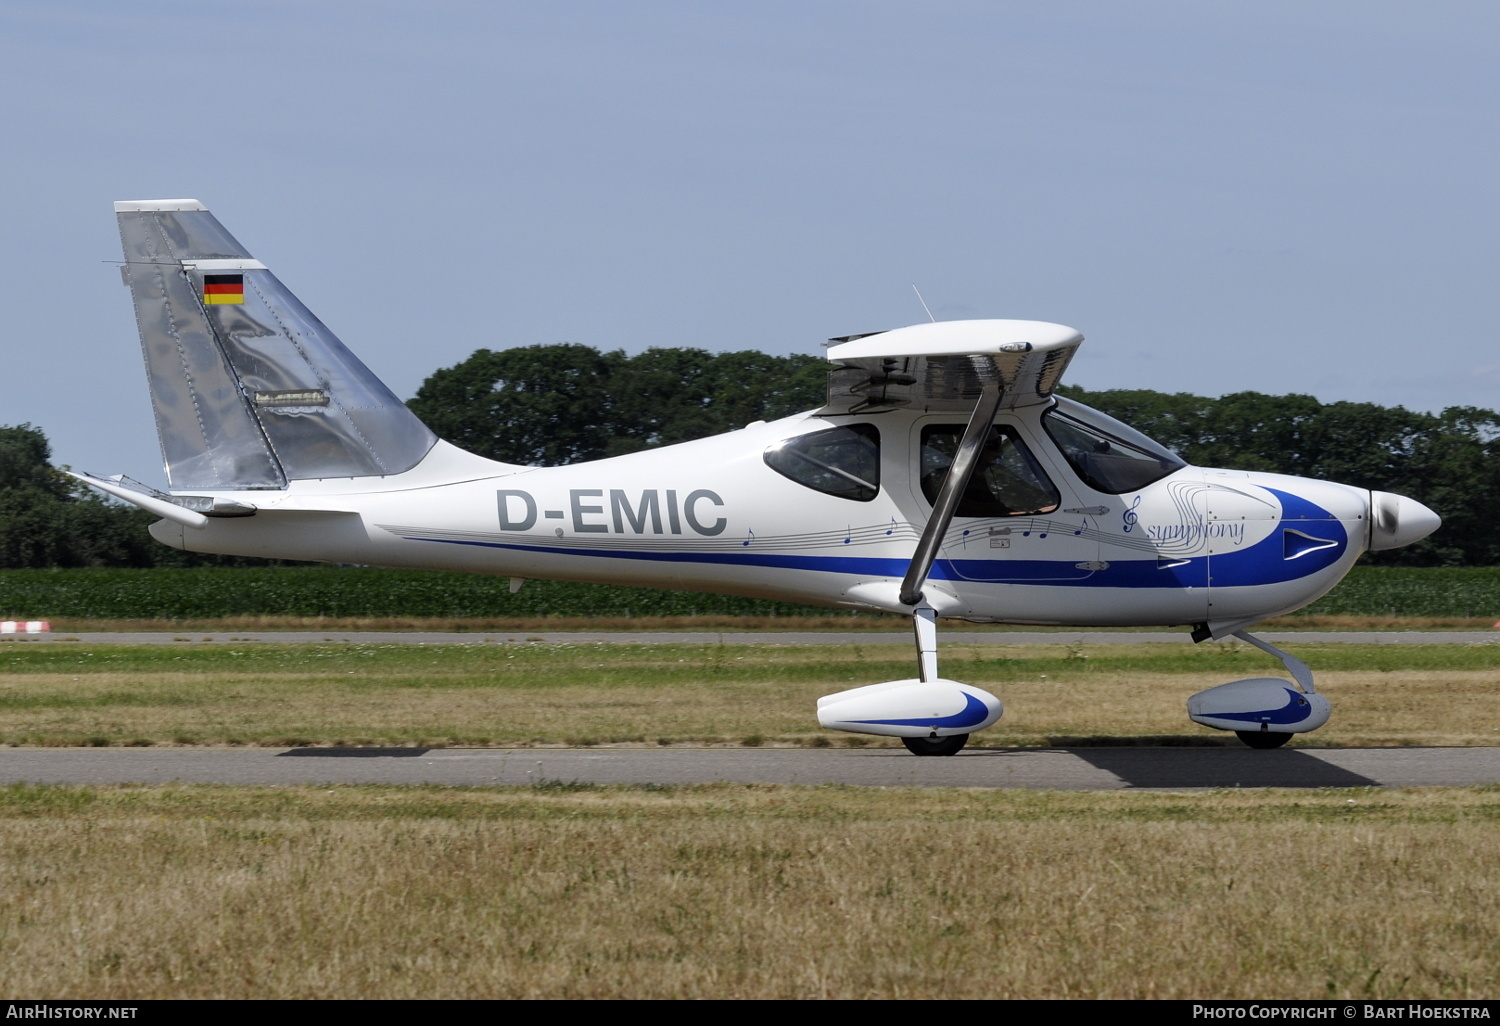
x=1262, y=738
x=950, y=745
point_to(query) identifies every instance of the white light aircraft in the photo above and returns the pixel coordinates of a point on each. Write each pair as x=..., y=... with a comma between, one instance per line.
x=943, y=478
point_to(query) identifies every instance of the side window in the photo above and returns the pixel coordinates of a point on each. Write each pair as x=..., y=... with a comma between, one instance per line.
x=842, y=461
x=1007, y=483
x=1104, y=461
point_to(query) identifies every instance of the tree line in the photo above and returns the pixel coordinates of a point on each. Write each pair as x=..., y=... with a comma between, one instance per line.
x=555, y=404
x=48, y=519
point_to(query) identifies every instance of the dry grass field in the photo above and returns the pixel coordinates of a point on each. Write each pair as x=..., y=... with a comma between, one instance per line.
x=564, y=890
x=747, y=892
x=530, y=694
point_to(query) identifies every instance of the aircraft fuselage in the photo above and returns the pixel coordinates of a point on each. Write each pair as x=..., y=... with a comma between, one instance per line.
x=1198, y=545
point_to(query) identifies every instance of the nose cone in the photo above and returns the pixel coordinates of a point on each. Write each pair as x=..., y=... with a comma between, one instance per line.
x=1396, y=521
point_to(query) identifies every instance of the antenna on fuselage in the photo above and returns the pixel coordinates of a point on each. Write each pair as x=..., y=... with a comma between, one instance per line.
x=923, y=302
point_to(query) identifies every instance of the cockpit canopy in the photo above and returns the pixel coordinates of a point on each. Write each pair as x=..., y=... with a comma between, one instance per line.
x=1107, y=455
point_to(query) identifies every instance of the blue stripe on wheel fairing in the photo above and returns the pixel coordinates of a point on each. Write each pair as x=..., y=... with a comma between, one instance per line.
x=1296, y=710
x=972, y=714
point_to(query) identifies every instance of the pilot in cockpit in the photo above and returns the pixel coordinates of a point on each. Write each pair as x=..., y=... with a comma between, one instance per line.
x=1006, y=482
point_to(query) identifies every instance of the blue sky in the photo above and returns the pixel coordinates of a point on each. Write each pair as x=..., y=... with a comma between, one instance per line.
x=1280, y=196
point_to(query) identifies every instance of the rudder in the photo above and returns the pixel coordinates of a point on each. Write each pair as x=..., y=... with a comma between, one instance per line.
x=249, y=388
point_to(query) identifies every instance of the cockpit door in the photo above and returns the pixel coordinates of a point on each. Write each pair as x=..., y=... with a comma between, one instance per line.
x=1015, y=523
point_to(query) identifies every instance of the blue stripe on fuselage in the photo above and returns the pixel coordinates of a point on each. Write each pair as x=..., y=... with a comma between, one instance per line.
x=1262, y=563
x=1265, y=562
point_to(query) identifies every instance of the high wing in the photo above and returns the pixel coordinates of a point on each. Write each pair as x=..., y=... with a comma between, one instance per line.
x=946, y=365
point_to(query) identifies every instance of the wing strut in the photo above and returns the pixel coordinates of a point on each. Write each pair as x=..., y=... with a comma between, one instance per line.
x=924, y=623
x=965, y=460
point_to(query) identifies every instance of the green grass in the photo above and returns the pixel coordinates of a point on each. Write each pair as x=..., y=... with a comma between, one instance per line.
x=1459, y=592
x=823, y=803
x=65, y=693
x=345, y=592
x=535, y=665
x=338, y=592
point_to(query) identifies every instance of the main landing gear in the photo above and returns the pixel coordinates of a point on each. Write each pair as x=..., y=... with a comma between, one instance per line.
x=931, y=715
x=950, y=745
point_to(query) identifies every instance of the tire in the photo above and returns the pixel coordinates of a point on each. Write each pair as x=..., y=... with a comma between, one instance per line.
x=1263, y=738
x=950, y=745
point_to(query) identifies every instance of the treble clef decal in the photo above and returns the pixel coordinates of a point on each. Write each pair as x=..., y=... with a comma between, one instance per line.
x=1129, y=516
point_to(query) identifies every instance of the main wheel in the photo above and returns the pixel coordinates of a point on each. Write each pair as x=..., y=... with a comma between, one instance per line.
x=950, y=745
x=1263, y=738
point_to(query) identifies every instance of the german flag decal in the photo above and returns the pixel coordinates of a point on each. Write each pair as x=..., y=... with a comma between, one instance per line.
x=223, y=288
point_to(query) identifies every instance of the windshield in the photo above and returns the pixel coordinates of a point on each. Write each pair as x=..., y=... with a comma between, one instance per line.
x=1109, y=456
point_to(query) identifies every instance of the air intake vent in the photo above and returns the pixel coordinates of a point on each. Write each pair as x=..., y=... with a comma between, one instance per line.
x=1295, y=543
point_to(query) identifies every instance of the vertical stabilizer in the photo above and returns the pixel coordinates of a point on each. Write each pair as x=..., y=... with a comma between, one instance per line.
x=249, y=388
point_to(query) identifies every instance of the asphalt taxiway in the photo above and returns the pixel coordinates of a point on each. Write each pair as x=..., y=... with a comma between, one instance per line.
x=1085, y=769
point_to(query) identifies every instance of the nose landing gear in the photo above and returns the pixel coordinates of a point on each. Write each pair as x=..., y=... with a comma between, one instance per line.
x=1262, y=738
x=950, y=745
x=1263, y=712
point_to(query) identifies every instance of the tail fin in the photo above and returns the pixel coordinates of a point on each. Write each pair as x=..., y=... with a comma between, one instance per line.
x=249, y=388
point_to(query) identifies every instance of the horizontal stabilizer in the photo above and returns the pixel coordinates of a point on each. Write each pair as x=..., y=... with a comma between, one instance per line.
x=249, y=388
x=196, y=511
x=152, y=502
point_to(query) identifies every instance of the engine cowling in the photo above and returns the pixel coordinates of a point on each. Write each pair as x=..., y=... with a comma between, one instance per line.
x=910, y=708
x=1259, y=703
